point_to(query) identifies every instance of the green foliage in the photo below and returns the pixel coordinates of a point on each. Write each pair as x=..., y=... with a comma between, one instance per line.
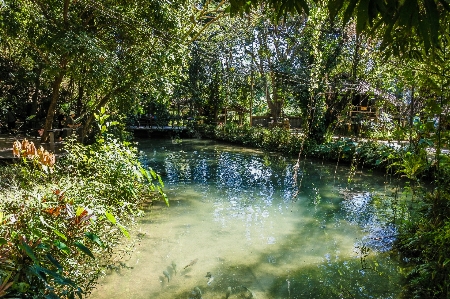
x=371, y=154
x=275, y=139
x=58, y=233
x=411, y=165
x=280, y=7
x=401, y=24
x=112, y=127
x=424, y=245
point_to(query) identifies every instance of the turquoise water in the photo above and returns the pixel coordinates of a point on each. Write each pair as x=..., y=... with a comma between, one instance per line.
x=235, y=229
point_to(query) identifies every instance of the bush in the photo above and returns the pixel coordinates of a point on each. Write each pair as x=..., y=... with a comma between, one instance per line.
x=424, y=244
x=61, y=223
x=370, y=153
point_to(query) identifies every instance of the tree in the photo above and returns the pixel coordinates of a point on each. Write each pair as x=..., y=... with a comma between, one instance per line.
x=405, y=26
x=93, y=53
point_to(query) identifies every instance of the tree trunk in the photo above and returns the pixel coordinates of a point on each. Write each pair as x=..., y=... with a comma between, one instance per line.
x=99, y=105
x=51, y=109
x=80, y=98
x=275, y=103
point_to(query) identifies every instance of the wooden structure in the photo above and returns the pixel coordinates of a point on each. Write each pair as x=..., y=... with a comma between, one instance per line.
x=364, y=105
x=233, y=113
x=290, y=122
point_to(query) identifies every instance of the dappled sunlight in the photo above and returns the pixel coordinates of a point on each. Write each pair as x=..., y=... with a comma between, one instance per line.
x=233, y=229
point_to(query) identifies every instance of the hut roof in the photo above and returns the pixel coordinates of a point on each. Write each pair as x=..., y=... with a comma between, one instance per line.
x=365, y=87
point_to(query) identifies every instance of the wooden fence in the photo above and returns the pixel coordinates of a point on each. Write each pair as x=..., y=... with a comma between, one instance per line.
x=295, y=122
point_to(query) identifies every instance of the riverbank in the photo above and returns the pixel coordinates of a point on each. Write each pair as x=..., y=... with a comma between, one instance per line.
x=68, y=215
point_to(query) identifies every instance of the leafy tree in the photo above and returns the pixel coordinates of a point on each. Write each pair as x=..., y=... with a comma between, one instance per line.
x=403, y=25
x=92, y=54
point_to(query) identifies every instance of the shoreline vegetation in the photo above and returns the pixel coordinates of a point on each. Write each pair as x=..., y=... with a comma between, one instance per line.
x=61, y=221
x=370, y=154
x=419, y=212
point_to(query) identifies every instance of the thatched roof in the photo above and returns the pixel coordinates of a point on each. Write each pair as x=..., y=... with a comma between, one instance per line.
x=365, y=87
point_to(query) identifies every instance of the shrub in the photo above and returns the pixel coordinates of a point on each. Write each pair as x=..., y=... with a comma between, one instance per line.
x=60, y=226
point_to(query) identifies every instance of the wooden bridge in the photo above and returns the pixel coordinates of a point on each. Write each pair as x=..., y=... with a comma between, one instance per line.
x=156, y=128
x=146, y=131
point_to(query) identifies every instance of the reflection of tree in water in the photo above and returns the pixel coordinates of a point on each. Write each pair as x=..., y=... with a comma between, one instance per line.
x=307, y=256
x=360, y=210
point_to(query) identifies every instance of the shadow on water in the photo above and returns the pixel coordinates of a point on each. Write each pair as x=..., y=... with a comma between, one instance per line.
x=332, y=277
x=233, y=231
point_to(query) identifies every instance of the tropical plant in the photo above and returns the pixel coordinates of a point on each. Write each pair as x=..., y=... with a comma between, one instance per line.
x=61, y=227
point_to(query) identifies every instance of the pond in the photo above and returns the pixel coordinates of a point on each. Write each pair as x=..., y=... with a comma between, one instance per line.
x=235, y=228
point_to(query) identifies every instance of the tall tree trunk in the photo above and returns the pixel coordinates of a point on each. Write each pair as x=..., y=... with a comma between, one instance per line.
x=275, y=103
x=51, y=109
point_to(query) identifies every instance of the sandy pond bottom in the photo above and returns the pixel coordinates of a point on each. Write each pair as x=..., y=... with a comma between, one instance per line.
x=233, y=231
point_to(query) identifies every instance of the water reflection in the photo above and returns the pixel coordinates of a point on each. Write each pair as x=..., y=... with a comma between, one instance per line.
x=232, y=213
x=360, y=210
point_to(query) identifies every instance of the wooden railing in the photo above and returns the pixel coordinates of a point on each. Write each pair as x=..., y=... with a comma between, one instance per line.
x=295, y=122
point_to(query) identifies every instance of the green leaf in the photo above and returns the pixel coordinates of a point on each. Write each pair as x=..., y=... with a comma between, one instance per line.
x=426, y=141
x=164, y=196
x=334, y=6
x=3, y=241
x=405, y=12
x=303, y=6
x=160, y=181
x=423, y=33
x=374, y=7
x=123, y=230
x=446, y=262
x=432, y=17
x=145, y=173
x=28, y=251
x=54, y=261
x=58, y=278
x=84, y=249
x=61, y=235
x=349, y=11
x=94, y=238
x=61, y=246
x=110, y=217
x=362, y=16
x=153, y=173
x=51, y=296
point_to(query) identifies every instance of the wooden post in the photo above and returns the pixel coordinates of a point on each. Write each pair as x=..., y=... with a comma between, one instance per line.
x=51, y=136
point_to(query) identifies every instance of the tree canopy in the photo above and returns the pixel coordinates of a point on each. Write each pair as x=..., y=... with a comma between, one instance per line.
x=402, y=25
x=275, y=58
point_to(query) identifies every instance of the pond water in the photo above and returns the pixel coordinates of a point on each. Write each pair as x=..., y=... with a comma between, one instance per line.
x=235, y=230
